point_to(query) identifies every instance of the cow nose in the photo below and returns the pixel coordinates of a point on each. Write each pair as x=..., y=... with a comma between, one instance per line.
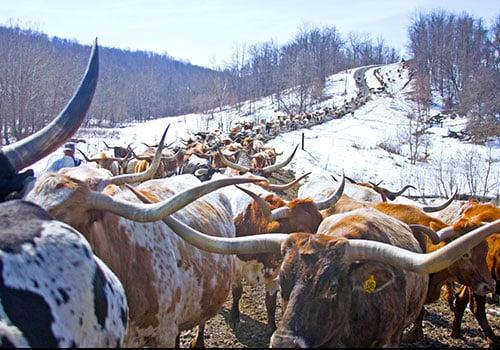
x=287, y=341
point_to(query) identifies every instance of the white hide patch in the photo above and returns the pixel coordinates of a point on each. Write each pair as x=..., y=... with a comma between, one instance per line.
x=60, y=267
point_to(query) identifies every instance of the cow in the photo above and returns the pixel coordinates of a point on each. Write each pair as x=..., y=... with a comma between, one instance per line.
x=316, y=186
x=358, y=282
x=473, y=214
x=470, y=270
x=54, y=291
x=170, y=285
x=105, y=159
x=265, y=214
x=119, y=151
x=265, y=171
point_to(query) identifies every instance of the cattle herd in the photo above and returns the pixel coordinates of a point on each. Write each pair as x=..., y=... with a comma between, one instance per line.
x=132, y=249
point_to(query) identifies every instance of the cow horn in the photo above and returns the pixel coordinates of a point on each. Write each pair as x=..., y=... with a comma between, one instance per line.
x=227, y=162
x=97, y=159
x=106, y=145
x=157, y=211
x=432, y=209
x=284, y=212
x=393, y=195
x=84, y=155
x=25, y=152
x=327, y=203
x=419, y=231
x=283, y=187
x=271, y=168
x=263, y=205
x=262, y=243
x=357, y=249
x=145, y=175
x=145, y=144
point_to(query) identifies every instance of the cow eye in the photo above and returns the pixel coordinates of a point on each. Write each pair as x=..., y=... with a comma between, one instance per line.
x=333, y=288
x=467, y=255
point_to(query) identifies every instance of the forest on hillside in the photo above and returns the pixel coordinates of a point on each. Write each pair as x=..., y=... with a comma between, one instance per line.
x=455, y=55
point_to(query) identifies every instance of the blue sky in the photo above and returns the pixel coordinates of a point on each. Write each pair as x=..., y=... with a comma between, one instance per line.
x=208, y=32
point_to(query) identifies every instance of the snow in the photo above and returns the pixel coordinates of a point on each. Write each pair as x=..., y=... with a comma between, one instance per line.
x=351, y=144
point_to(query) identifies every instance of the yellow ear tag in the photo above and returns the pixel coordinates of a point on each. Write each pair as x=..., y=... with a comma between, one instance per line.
x=370, y=284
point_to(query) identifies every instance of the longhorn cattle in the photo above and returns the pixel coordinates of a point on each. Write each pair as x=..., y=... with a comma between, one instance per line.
x=170, y=285
x=265, y=171
x=106, y=160
x=358, y=282
x=473, y=214
x=54, y=291
x=119, y=151
x=470, y=270
x=263, y=216
x=317, y=187
x=258, y=217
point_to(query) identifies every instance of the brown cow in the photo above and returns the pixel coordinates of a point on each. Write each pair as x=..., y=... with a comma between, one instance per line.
x=358, y=282
x=473, y=214
x=269, y=213
x=470, y=270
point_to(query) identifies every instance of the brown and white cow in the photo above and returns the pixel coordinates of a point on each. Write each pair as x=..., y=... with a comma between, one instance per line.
x=358, y=282
x=170, y=285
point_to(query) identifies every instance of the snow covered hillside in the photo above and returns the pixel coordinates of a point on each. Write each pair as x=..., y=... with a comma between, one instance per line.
x=368, y=145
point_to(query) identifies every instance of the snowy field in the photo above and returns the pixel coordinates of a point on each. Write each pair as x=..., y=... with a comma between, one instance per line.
x=355, y=144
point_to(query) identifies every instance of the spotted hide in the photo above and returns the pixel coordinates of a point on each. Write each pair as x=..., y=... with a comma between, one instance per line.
x=54, y=292
x=171, y=286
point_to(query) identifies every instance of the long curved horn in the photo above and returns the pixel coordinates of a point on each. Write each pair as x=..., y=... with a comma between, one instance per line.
x=157, y=211
x=145, y=175
x=393, y=195
x=422, y=263
x=97, y=159
x=228, y=163
x=347, y=178
x=263, y=205
x=262, y=243
x=271, y=168
x=431, y=209
x=25, y=152
x=421, y=231
x=328, y=202
x=145, y=144
x=84, y=155
x=446, y=233
x=284, y=212
x=106, y=145
x=284, y=187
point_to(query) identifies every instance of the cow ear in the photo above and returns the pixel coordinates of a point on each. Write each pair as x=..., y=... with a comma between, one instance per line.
x=371, y=277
